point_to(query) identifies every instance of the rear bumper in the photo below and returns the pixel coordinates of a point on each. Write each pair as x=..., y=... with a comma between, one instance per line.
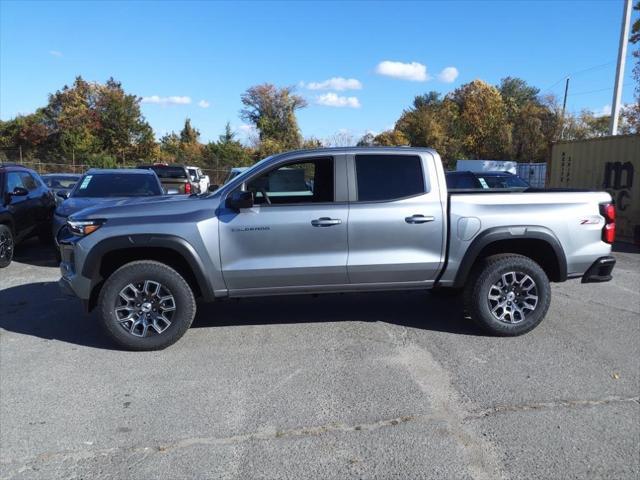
x=600, y=270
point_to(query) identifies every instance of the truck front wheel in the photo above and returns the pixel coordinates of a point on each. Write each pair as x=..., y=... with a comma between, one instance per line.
x=507, y=295
x=146, y=305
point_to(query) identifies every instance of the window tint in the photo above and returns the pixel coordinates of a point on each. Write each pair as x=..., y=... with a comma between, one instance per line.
x=461, y=181
x=303, y=182
x=388, y=177
x=117, y=185
x=14, y=180
x=28, y=181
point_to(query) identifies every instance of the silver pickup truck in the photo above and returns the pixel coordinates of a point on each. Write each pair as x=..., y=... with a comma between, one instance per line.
x=334, y=220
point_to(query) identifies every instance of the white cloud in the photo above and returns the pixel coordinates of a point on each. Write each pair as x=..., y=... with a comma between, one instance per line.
x=246, y=128
x=55, y=53
x=173, y=100
x=414, y=71
x=334, y=100
x=448, y=74
x=335, y=83
x=606, y=110
x=204, y=104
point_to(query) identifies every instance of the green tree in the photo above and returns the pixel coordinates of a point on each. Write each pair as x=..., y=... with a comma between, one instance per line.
x=272, y=111
x=227, y=153
x=188, y=134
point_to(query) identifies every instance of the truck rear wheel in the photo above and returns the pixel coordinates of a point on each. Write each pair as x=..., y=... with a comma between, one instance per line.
x=146, y=305
x=507, y=295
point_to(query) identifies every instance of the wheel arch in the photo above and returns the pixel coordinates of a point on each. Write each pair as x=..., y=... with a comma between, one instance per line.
x=110, y=254
x=535, y=242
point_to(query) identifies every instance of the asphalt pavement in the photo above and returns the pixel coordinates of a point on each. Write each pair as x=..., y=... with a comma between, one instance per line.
x=384, y=385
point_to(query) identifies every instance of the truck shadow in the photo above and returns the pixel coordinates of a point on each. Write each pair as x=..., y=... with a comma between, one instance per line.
x=41, y=310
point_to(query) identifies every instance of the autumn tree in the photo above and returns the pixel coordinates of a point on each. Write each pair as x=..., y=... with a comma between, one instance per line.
x=272, y=111
x=483, y=124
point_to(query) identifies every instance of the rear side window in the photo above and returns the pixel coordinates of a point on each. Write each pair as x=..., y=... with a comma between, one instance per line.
x=388, y=177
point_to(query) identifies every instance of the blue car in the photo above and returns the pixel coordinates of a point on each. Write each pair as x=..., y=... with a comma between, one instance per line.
x=102, y=187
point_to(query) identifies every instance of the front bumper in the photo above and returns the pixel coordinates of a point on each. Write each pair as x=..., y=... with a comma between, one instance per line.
x=600, y=270
x=72, y=281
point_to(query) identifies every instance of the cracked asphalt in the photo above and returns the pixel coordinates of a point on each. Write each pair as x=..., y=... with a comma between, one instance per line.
x=393, y=385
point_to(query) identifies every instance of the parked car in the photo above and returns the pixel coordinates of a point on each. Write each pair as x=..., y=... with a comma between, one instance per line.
x=369, y=219
x=102, y=186
x=26, y=208
x=463, y=180
x=198, y=176
x=60, y=183
x=175, y=179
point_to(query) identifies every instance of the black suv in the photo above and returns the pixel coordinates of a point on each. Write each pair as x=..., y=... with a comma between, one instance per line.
x=26, y=208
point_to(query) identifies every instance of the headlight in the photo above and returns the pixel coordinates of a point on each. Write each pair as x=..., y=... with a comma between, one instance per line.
x=84, y=227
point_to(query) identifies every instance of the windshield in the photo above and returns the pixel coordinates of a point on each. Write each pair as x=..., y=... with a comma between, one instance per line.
x=60, y=181
x=502, y=181
x=117, y=185
x=169, y=172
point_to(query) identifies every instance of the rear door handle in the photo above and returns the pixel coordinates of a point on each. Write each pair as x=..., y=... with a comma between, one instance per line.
x=325, y=222
x=419, y=219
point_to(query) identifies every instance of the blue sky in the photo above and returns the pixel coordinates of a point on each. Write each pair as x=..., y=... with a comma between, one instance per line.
x=194, y=59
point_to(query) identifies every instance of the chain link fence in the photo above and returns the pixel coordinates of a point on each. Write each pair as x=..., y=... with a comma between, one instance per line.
x=216, y=176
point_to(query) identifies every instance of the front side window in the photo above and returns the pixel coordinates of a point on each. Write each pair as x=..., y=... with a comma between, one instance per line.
x=388, y=177
x=14, y=180
x=302, y=182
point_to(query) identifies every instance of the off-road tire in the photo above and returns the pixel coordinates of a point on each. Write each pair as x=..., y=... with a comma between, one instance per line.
x=133, y=273
x=7, y=246
x=486, y=274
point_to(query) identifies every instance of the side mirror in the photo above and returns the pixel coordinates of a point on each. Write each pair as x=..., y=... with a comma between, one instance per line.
x=63, y=194
x=19, y=192
x=239, y=199
x=213, y=188
x=172, y=191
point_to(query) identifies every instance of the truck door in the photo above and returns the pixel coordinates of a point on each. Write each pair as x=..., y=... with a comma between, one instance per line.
x=295, y=235
x=396, y=227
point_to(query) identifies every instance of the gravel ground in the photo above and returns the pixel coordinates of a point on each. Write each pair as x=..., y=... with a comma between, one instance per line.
x=393, y=385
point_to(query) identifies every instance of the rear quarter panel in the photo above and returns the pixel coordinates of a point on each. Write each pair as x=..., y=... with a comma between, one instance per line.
x=573, y=217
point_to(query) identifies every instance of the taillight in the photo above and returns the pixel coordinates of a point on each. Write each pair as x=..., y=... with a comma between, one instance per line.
x=187, y=188
x=608, y=211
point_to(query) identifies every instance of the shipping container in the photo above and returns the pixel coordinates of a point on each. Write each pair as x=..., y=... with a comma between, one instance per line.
x=605, y=163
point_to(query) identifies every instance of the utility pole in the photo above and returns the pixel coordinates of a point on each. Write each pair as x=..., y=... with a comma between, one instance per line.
x=564, y=102
x=564, y=106
x=20, y=148
x=622, y=53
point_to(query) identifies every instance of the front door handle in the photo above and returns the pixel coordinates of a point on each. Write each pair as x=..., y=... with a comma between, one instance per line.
x=325, y=222
x=419, y=219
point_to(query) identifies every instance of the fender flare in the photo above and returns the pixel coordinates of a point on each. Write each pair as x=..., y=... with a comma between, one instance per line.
x=491, y=235
x=93, y=260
